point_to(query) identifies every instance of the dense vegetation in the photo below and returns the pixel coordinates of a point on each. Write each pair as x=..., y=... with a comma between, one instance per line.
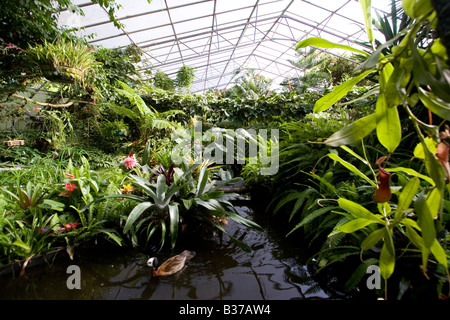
x=363, y=148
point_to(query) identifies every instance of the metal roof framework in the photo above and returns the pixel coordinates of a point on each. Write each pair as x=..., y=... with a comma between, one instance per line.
x=219, y=37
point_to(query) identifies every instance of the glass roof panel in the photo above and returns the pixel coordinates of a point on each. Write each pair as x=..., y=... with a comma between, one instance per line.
x=219, y=37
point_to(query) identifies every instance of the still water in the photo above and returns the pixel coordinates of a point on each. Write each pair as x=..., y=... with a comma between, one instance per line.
x=275, y=269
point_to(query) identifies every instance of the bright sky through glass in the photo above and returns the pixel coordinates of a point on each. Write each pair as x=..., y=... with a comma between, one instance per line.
x=218, y=37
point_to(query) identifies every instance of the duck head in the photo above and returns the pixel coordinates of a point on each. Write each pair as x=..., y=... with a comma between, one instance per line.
x=152, y=262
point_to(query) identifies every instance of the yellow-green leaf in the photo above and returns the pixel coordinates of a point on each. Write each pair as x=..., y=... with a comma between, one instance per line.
x=367, y=8
x=406, y=197
x=372, y=239
x=426, y=221
x=354, y=225
x=389, y=131
x=351, y=167
x=358, y=210
x=354, y=132
x=387, y=262
x=339, y=92
x=322, y=43
x=418, y=150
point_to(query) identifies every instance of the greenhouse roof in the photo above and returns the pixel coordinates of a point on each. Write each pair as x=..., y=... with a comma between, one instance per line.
x=219, y=37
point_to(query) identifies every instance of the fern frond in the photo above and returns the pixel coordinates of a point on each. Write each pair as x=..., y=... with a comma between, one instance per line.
x=310, y=217
x=359, y=273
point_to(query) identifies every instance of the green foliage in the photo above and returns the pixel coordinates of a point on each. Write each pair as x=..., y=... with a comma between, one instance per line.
x=185, y=77
x=250, y=85
x=147, y=118
x=63, y=61
x=161, y=80
x=187, y=196
x=403, y=72
x=183, y=81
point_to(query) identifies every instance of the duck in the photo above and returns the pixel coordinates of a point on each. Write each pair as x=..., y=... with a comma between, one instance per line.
x=171, y=265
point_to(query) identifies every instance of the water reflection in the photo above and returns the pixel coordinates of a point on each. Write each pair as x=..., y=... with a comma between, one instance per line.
x=220, y=270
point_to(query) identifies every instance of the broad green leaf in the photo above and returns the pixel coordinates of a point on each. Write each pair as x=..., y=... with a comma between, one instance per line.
x=367, y=8
x=434, y=202
x=353, y=132
x=412, y=235
x=174, y=219
x=22, y=245
x=358, y=210
x=339, y=92
x=161, y=188
x=426, y=221
x=426, y=78
x=144, y=184
x=163, y=234
x=418, y=150
x=351, y=167
x=188, y=203
x=136, y=213
x=202, y=180
x=52, y=205
x=411, y=172
x=387, y=262
x=322, y=43
x=354, y=225
x=388, y=241
x=406, y=197
x=416, y=8
x=357, y=156
x=392, y=93
x=372, y=239
x=439, y=253
x=435, y=104
x=389, y=130
x=435, y=169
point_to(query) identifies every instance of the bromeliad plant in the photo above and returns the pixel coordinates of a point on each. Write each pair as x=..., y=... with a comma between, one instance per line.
x=412, y=74
x=163, y=206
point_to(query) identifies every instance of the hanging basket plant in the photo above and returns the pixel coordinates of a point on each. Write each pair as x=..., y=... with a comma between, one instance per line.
x=66, y=62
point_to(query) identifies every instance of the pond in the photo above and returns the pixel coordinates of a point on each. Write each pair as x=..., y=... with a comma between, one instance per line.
x=275, y=269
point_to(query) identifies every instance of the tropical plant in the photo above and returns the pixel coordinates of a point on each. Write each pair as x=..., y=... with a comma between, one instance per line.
x=147, y=118
x=249, y=85
x=161, y=80
x=178, y=198
x=410, y=77
x=185, y=77
x=313, y=76
x=64, y=61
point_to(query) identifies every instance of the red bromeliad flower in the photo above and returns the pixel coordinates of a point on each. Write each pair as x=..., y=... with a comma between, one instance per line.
x=70, y=226
x=10, y=46
x=70, y=186
x=383, y=192
x=130, y=161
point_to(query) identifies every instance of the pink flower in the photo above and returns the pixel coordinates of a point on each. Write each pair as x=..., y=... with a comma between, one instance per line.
x=68, y=175
x=10, y=46
x=70, y=186
x=130, y=161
